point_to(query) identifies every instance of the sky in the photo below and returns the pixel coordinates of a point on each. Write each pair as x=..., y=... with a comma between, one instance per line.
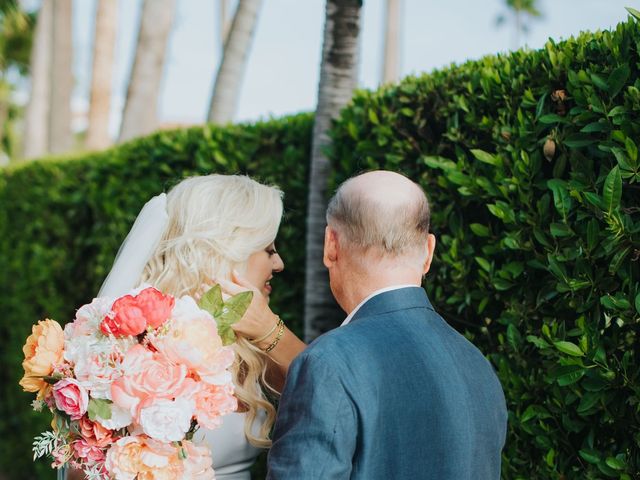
x=284, y=63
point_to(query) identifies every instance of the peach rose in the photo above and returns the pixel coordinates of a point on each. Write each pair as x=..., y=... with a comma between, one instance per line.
x=123, y=458
x=143, y=458
x=149, y=376
x=212, y=402
x=94, y=433
x=192, y=339
x=71, y=397
x=198, y=464
x=42, y=351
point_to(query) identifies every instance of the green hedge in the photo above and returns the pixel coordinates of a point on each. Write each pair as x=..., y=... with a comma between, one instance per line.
x=538, y=255
x=61, y=222
x=537, y=259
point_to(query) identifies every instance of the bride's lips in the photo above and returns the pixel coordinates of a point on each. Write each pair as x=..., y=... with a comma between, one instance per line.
x=267, y=287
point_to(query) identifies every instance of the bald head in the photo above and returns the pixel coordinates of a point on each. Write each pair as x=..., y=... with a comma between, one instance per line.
x=380, y=210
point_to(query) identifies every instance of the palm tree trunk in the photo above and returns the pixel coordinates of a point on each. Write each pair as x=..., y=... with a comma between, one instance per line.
x=141, y=106
x=35, y=142
x=60, y=136
x=226, y=90
x=103, y=55
x=390, y=66
x=338, y=78
x=224, y=23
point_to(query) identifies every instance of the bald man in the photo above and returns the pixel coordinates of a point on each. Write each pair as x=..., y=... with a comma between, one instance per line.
x=395, y=392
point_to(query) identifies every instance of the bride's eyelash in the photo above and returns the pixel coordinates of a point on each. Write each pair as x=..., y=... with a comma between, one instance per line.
x=271, y=251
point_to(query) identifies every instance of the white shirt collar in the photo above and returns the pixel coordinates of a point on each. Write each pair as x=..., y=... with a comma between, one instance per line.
x=377, y=292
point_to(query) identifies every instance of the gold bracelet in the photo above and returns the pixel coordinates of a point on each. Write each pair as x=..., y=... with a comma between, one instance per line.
x=278, y=337
x=264, y=337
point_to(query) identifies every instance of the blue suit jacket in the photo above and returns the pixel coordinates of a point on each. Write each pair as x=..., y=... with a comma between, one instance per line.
x=395, y=394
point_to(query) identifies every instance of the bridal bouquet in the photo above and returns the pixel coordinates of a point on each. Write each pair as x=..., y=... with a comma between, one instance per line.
x=130, y=380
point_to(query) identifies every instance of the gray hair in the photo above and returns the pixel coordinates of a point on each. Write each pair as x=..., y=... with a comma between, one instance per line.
x=369, y=222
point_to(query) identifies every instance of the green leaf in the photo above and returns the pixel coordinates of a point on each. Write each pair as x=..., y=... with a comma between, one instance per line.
x=579, y=140
x=599, y=82
x=483, y=263
x=612, y=192
x=503, y=211
x=212, y=301
x=588, y=401
x=99, y=408
x=632, y=149
x=615, y=463
x=439, y=162
x=570, y=378
x=479, y=229
x=552, y=118
x=633, y=12
x=569, y=348
x=232, y=311
x=594, y=127
x=638, y=303
x=487, y=157
x=617, y=79
x=591, y=456
x=560, y=230
x=513, y=336
x=534, y=411
x=537, y=341
x=373, y=117
x=561, y=198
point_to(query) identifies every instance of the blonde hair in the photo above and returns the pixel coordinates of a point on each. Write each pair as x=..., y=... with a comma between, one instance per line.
x=215, y=223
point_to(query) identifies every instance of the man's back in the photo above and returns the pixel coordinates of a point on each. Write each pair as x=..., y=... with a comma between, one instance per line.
x=398, y=394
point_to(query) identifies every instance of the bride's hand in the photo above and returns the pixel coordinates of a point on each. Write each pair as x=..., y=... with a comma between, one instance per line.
x=258, y=320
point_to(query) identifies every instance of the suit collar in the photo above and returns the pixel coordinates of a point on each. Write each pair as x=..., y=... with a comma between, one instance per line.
x=391, y=301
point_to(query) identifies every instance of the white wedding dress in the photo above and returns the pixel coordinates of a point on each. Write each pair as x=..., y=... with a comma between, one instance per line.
x=232, y=453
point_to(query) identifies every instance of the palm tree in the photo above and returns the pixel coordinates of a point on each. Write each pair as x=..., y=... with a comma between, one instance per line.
x=226, y=90
x=390, y=65
x=141, y=105
x=338, y=78
x=16, y=27
x=60, y=136
x=523, y=10
x=103, y=54
x=36, y=127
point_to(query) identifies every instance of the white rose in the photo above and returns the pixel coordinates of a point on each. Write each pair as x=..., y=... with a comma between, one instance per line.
x=120, y=418
x=167, y=420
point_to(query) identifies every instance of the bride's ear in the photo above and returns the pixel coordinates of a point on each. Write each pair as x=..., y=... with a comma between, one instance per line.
x=330, y=247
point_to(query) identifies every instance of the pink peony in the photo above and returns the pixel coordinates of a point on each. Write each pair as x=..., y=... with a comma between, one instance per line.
x=149, y=376
x=87, y=452
x=71, y=398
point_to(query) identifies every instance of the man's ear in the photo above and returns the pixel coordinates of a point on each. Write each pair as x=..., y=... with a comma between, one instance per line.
x=430, y=246
x=330, y=247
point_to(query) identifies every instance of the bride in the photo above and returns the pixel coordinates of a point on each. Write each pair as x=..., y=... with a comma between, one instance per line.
x=214, y=229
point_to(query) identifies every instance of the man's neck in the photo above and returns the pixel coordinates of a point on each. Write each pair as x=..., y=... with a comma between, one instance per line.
x=358, y=291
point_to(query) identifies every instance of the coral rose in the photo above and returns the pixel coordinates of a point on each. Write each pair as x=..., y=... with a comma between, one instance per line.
x=42, y=351
x=123, y=458
x=131, y=315
x=155, y=306
x=71, y=397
